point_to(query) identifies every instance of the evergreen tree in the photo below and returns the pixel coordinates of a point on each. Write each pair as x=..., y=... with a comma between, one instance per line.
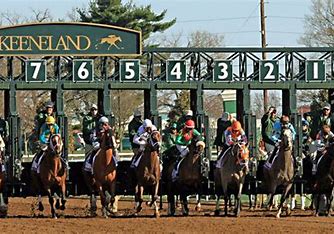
x=128, y=15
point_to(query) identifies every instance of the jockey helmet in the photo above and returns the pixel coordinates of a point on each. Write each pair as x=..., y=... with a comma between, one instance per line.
x=236, y=125
x=49, y=104
x=103, y=120
x=147, y=123
x=50, y=120
x=173, y=126
x=190, y=124
x=305, y=122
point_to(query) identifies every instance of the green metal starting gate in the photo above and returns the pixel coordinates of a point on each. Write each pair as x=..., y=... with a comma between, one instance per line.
x=65, y=56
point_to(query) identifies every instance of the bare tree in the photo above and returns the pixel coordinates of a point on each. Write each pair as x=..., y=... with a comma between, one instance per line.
x=319, y=26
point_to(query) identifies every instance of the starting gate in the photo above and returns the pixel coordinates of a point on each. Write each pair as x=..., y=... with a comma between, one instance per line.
x=64, y=56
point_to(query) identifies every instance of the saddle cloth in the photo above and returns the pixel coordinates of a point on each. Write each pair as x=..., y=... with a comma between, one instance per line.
x=220, y=162
x=89, y=166
x=175, y=172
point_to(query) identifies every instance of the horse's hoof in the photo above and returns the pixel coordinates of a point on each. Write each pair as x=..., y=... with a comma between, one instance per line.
x=57, y=205
x=138, y=209
x=217, y=212
x=157, y=214
x=278, y=216
x=198, y=208
x=40, y=207
x=185, y=213
x=62, y=207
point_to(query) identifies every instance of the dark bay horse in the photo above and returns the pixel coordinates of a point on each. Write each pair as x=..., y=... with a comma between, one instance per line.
x=230, y=178
x=53, y=173
x=3, y=206
x=324, y=180
x=281, y=172
x=148, y=173
x=189, y=178
x=104, y=172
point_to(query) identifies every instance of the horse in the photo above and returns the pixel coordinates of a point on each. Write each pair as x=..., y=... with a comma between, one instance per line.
x=281, y=172
x=3, y=206
x=324, y=180
x=53, y=173
x=147, y=173
x=104, y=174
x=111, y=40
x=188, y=180
x=230, y=178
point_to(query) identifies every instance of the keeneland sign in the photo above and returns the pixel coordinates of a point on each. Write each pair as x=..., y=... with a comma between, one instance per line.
x=69, y=39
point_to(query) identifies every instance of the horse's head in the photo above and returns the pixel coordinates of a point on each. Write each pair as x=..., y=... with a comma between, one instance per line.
x=286, y=139
x=56, y=144
x=107, y=138
x=241, y=154
x=154, y=141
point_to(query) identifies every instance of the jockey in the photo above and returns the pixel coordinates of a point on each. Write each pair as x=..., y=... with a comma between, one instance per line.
x=284, y=122
x=169, y=137
x=141, y=138
x=233, y=134
x=324, y=137
x=102, y=126
x=306, y=136
x=48, y=128
x=183, y=139
x=2, y=154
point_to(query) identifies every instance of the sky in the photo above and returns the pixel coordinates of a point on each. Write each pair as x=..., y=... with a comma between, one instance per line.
x=237, y=20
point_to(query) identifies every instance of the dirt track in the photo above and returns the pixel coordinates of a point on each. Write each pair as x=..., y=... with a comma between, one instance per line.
x=76, y=220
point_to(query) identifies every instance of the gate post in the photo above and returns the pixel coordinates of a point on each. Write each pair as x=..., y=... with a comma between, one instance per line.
x=58, y=97
x=151, y=104
x=104, y=100
x=14, y=165
x=243, y=108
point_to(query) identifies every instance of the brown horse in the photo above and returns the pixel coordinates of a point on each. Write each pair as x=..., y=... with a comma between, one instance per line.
x=148, y=172
x=3, y=206
x=281, y=172
x=53, y=173
x=111, y=40
x=188, y=180
x=324, y=180
x=230, y=178
x=104, y=172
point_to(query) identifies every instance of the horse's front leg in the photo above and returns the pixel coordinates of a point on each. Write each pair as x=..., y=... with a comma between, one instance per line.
x=63, y=193
x=283, y=198
x=238, y=201
x=226, y=199
x=51, y=202
x=139, y=198
x=217, y=210
x=198, y=202
x=154, y=200
x=185, y=208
